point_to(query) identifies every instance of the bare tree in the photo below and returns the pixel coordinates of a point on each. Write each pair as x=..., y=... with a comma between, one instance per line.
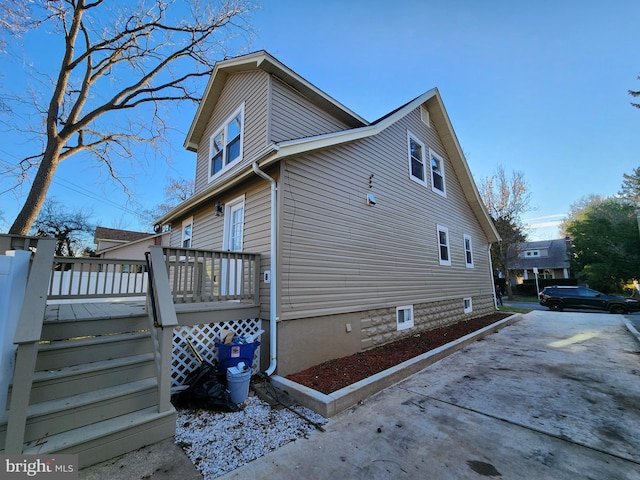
x=506, y=199
x=175, y=192
x=70, y=229
x=635, y=94
x=140, y=55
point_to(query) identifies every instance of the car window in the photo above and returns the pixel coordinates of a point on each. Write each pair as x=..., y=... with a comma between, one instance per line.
x=585, y=292
x=567, y=292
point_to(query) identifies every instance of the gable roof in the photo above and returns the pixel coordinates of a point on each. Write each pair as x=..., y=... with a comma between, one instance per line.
x=261, y=60
x=360, y=129
x=117, y=235
x=557, y=255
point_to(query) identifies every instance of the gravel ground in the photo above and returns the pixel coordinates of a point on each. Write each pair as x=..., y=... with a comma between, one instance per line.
x=218, y=442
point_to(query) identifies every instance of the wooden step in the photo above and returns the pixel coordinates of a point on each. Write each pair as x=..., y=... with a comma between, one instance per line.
x=64, y=414
x=66, y=353
x=63, y=382
x=110, y=438
x=65, y=329
x=69, y=413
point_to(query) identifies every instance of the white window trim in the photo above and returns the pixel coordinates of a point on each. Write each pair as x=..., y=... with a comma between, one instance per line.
x=410, y=137
x=227, y=220
x=226, y=165
x=466, y=237
x=442, y=192
x=407, y=323
x=440, y=228
x=186, y=223
x=467, y=309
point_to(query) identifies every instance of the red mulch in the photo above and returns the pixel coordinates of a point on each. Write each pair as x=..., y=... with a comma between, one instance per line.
x=341, y=372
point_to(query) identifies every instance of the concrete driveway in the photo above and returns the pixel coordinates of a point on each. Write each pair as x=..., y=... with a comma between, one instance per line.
x=554, y=396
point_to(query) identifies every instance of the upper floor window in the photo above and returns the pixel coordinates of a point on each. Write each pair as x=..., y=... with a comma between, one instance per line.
x=468, y=251
x=225, y=145
x=417, y=164
x=187, y=232
x=443, y=245
x=532, y=253
x=437, y=173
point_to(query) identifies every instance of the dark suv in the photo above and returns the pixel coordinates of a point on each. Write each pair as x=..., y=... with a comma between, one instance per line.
x=558, y=298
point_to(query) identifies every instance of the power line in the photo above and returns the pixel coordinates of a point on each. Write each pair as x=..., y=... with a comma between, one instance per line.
x=80, y=190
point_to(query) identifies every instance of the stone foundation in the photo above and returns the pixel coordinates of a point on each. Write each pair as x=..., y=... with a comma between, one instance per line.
x=379, y=327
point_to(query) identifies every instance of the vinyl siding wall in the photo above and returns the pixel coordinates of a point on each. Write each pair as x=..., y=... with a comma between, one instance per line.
x=208, y=230
x=293, y=116
x=340, y=255
x=252, y=89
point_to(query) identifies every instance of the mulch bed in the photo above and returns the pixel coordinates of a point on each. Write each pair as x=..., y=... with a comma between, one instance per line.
x=341, y=372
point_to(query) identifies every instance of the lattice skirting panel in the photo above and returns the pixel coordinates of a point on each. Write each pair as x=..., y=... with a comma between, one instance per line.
x=203, y=337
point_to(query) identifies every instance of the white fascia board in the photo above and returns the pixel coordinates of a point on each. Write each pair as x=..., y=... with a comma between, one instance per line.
x=263, y=157
x=294, y=147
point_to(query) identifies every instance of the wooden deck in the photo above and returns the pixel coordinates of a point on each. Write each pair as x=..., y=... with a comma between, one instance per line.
x=87, y=311
x=188, y=313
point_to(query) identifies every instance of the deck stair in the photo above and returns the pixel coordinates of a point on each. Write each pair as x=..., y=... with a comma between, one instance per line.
x=94, y=390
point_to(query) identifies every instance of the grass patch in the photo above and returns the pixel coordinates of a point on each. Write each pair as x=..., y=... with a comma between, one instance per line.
x=509, y=308
x=523, y=299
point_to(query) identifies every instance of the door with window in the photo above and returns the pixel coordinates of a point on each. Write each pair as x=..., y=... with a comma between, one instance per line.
x=233, y=242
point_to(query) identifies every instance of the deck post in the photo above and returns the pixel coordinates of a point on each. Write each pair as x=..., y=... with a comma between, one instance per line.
x=27, y=336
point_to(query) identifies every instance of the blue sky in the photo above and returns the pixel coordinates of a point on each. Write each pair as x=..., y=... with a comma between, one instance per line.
x=538, y=87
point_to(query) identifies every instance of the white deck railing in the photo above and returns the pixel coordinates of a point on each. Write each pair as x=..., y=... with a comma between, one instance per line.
x=83, y=278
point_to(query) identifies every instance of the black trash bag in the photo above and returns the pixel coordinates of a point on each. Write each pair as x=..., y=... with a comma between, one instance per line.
x=204, y=391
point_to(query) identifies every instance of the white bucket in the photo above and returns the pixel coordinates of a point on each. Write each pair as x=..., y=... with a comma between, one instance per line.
x=238, y=379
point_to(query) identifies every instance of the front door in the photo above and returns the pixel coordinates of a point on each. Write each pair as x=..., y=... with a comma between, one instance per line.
x=233, y=242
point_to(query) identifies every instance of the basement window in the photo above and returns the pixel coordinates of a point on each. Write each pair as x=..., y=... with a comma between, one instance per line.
x=404, y=317
x=468, y=305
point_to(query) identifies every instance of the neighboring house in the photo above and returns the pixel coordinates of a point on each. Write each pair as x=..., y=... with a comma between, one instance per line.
x=550, y=257
x=125, y=244
x=372, y=231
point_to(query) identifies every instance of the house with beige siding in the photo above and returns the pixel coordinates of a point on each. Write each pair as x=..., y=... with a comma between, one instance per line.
x=118, y=243
x=367, y=231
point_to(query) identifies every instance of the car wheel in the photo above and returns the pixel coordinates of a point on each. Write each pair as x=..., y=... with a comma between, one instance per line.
x=555, y=306
x=621, y=309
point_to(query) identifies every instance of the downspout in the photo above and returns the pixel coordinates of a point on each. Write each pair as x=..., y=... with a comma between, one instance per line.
x=493, y=287
x=272, y=285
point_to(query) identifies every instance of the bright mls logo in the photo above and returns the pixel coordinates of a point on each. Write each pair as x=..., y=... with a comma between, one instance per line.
x=55, y=467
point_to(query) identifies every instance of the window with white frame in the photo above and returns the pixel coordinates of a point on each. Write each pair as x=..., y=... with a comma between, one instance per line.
x=532, y=253
x=443, y=245
x=437, y=173
x=404, y=317
x=468, y=305
x=187, y=232
x=225, y=145
x=417, y=163
x=468, y=250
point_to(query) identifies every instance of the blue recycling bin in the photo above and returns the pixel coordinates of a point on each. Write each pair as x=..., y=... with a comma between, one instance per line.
x=230, y=355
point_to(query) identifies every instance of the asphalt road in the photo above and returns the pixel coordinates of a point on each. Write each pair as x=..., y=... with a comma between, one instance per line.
x=553, y=396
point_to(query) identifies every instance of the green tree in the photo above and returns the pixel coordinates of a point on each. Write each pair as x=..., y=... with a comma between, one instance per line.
x=506, y=198
x=631, y=186
x=70, y=229
x=115, y=57
x=606, y=244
